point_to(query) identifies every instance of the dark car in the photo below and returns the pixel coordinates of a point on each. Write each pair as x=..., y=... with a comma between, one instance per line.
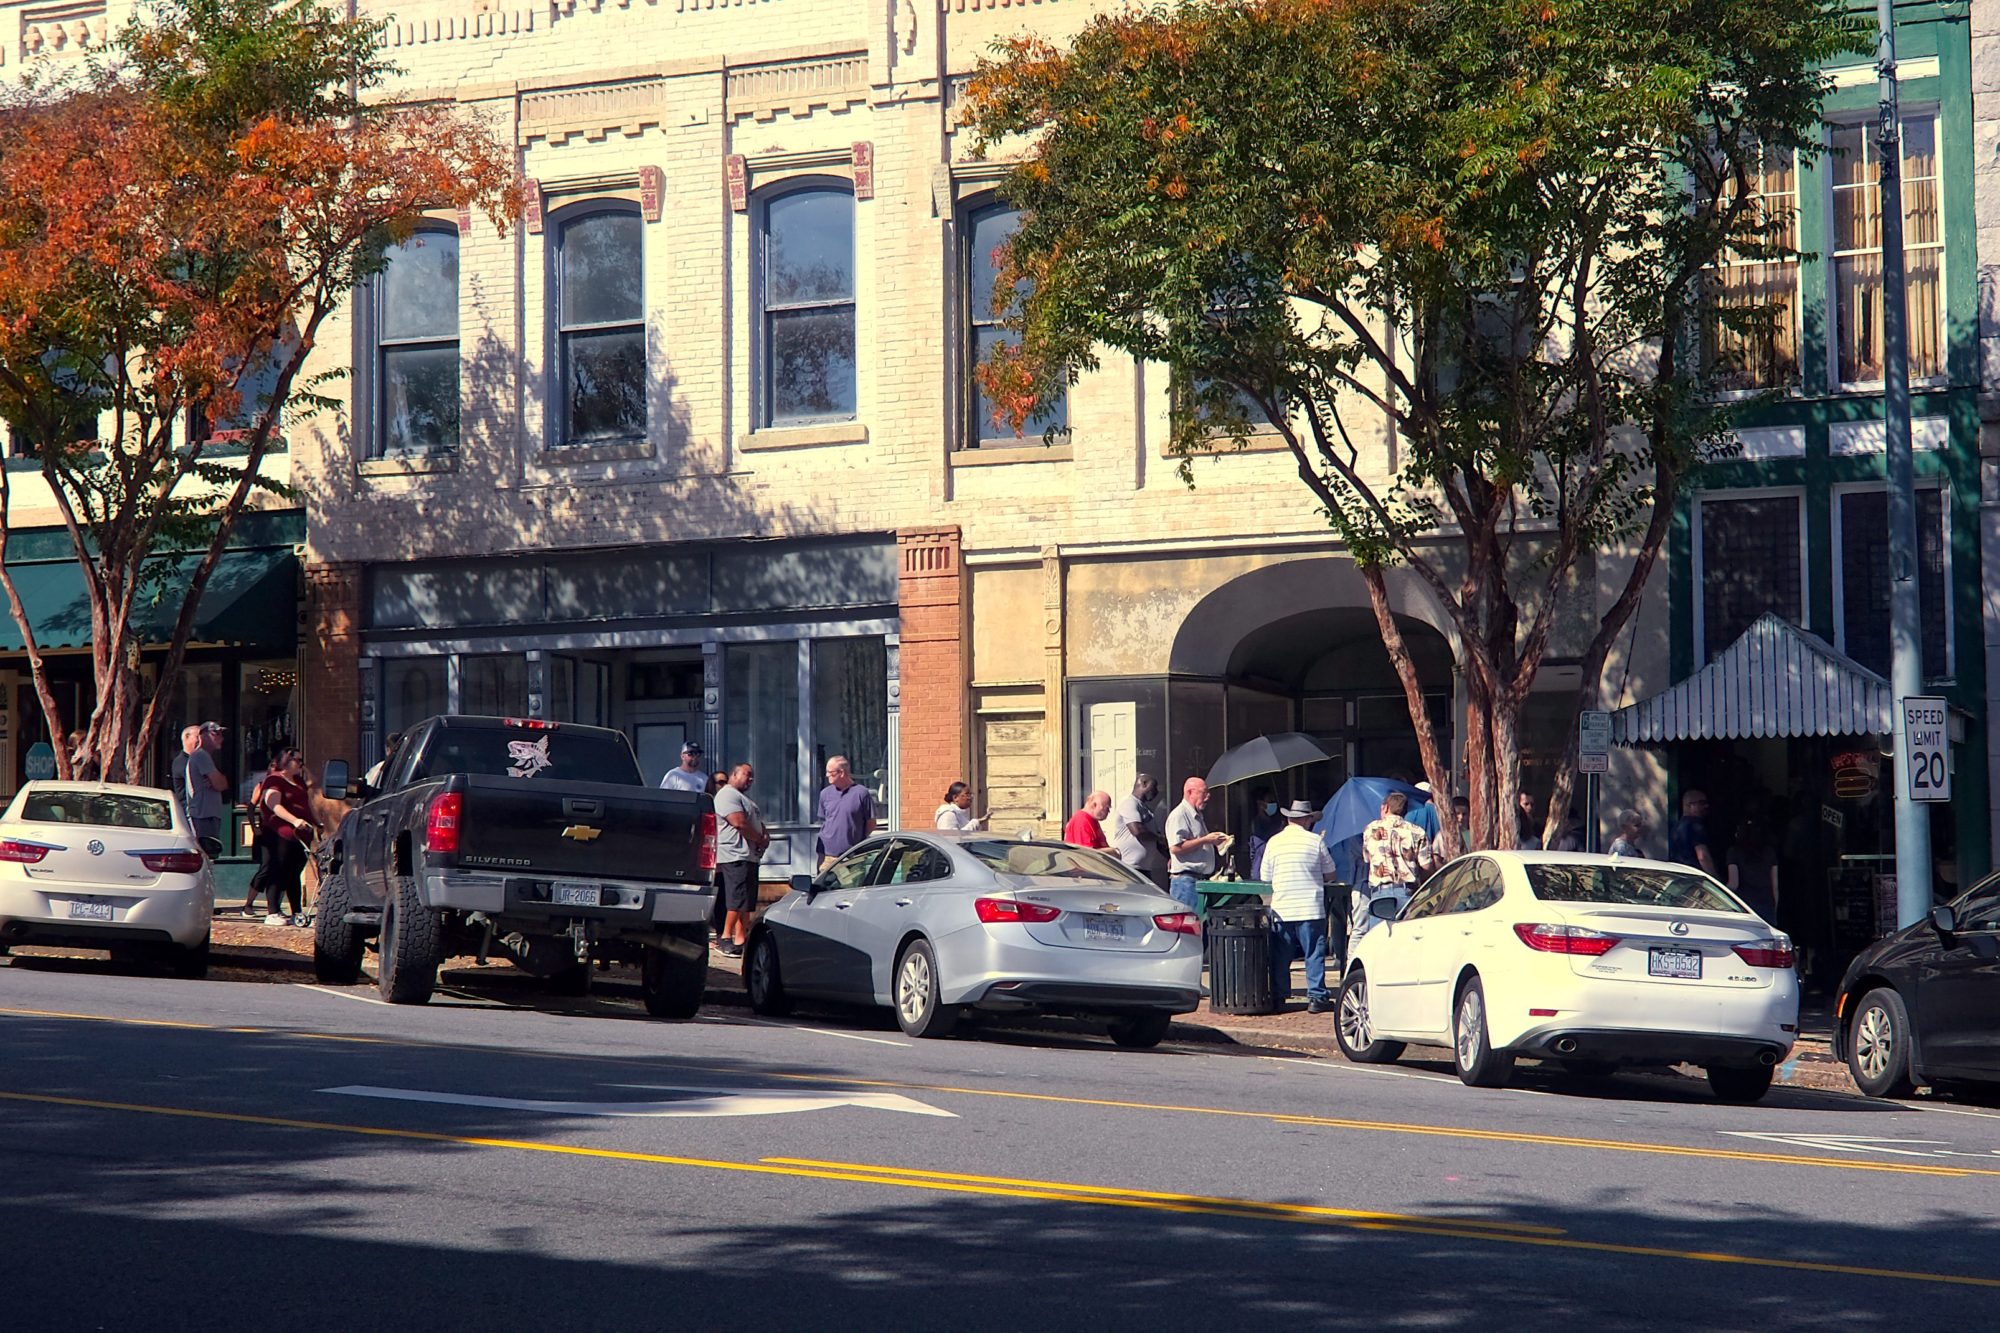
x=1923, y=1005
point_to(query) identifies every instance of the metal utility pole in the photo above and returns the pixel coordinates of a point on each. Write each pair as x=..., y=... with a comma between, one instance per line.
x=1906, y=673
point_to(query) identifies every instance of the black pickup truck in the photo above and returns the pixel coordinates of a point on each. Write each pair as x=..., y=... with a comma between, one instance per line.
x=537, y=841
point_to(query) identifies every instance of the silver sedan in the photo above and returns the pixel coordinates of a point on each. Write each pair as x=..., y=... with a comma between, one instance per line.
x=936, y=924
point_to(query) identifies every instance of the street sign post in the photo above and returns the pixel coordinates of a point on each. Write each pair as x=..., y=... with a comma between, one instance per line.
x=1593, y=742
x=1924, y=727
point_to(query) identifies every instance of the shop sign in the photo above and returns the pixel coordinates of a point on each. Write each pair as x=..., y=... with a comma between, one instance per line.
x=1856, y=773
x=40, y=762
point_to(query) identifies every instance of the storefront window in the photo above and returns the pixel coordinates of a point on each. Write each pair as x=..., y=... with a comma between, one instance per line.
x=264, y=712
x=761, y=721
x=493, y=686
x=412, y=690
x=1194, y=736
x=851, y=710
x=197, y=697
x=1120, y=728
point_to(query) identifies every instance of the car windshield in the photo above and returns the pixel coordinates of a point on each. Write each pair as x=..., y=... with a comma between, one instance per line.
x=103, y=809
x=1049, y=860
x=1629, y=886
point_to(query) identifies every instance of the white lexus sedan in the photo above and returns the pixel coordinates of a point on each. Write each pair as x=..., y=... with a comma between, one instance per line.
x=97, y=865
x=1593, y=962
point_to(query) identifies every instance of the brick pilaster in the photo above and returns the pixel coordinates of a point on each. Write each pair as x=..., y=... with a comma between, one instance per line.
x=931, y=590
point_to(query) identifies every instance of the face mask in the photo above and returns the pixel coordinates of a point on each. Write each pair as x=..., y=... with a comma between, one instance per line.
x=1270, y=807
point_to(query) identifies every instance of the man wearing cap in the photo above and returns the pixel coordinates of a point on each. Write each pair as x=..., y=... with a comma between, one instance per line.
x=199, y=784
x=1298, y=867
x=846, y=811
x=690, y=776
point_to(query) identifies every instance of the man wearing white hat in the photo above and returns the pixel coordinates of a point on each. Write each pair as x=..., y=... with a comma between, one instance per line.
x=1298, y=867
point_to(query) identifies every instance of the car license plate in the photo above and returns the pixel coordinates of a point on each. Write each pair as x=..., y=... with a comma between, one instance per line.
x=1104, y=927
x=89, y=911
x=575, y=895
x=1674, y=963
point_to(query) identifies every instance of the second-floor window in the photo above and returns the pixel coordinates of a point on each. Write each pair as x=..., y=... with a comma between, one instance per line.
x=1749, y=560
x=416, y=346
x=806, y=300
x=988, y=230
x=1857, y=250
x=1750, y=332
x=600, y=327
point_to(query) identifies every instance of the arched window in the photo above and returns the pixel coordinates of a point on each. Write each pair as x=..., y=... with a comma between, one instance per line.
x=416, y=345
x=987, y=229
x=600, y=329
x=806, y=301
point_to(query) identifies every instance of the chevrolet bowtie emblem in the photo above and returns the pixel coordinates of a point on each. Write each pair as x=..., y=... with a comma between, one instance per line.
x=1107, y=907
x=582, y=833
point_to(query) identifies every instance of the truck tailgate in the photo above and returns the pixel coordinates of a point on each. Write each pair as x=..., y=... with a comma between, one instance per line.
x=586, y=829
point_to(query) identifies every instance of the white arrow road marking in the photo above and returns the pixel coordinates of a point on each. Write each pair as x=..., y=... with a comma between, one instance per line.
x=703, y=1102
x=1846, y=1143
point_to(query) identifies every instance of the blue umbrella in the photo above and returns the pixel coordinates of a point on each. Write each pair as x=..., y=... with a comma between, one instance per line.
x=1358, y=804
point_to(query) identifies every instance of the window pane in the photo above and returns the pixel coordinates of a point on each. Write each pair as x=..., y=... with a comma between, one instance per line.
x=1858, y=288
x=1749, y=565
x=419, y=399
x=810, y=256
x=990, y=231
x=605, y=385
x=812, y=364
x=602, y=272
x=1053, y=413
x=1853, y=156
x=420, y=287
x=1924, y=300
x=264, y=721
x=412, y=690
x=494, y=685
x=761, y=722
x=1865, y=578
x=851, y=709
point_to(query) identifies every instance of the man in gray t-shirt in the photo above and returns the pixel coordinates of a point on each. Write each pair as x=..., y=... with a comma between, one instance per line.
x=1135, y=831
x=1190, y=846
x=205, y=784
x=740, y=840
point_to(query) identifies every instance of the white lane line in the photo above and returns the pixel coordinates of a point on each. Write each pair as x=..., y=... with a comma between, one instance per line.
x=340, y=994
x=704, y=1102
x=1950, y=1110
x=822, y=1032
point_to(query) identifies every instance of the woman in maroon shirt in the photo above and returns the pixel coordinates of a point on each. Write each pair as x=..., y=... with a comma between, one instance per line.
x=287, y=823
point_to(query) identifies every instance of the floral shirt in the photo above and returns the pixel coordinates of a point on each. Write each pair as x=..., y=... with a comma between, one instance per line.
x=1393, y=846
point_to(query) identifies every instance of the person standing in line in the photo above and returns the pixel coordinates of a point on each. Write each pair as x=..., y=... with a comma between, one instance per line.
x=200, y=785
x=955, y=815
x=263, y=836
x=287, y=816
x=1084, y=828
x=740, y=840
x=373, y=777
x=690, y=776
x=846, y=811
x=1753, y=871
x=1265, y=824
x=1135, y=832
x=1444, y=848
x=1527, y=829
x=720, y=912
x=1689, y=842
x=1191, y=848
x=1631, y=828
x=1299, y=867
x=1392, y=847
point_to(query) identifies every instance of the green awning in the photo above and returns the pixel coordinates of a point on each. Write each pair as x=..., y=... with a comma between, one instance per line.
x=251, y=601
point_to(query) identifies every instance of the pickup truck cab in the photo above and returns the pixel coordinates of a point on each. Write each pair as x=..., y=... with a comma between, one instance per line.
x=538, y=841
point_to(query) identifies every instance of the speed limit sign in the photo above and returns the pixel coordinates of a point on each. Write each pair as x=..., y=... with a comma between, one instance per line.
x=1924, y=742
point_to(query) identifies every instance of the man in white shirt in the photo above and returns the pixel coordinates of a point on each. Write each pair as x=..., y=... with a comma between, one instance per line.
x=1190, y=846
x=1298, y=867
x=1135, y=831
x=690, y=776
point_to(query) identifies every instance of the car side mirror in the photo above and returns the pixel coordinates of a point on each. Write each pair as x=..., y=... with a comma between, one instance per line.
x=1943, y=920
x=334, y=781
x=1386, y=908
x=803, y=884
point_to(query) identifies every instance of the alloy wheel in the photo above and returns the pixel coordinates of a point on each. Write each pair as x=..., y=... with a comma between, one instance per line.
x=913, y=986
x=1355, y=1027
x=1874, y=1042
x=1471, y=1027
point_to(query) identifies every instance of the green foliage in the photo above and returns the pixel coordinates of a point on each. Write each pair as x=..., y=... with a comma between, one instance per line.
x=229, y=63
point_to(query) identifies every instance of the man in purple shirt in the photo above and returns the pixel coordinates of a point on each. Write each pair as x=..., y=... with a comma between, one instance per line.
x=846, y=811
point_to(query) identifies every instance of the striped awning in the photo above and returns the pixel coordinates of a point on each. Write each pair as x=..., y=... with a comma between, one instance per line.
x=1775, y=681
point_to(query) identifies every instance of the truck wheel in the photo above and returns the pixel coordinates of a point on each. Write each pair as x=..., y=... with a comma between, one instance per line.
x=673, y=985
x=763, y=978
x=409, y=946
x=336, y=944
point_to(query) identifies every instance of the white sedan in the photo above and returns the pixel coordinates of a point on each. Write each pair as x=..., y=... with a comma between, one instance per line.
x=97, y=865
x=1594, y=962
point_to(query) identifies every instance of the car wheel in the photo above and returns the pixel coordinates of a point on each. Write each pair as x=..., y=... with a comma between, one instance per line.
x=1878, y=1045
x=1740, y=1083
x=1479, y=1065
x=1140, y=1032
x=1355, y=1030
x=918, y=1011
x=337, y=945
x=190, y=963
x=409, y=947
x=673, y=986
x=764, y=979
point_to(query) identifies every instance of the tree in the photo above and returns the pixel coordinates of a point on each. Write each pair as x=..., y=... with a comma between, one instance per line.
x=1479, y=233
x=176, y=224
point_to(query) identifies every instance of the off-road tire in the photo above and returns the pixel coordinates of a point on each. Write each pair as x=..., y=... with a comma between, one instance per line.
x=1352, y=1022
x=1882, y=1026
x=914, y=993
x=410, y=947
x=1740, y=1084
x=672, y=985
x=1472, y=1053
x=764, y=978
x=337, y=946
x=1140, y=1032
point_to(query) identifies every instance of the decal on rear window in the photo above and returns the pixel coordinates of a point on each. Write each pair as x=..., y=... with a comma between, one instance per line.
x=524, y=760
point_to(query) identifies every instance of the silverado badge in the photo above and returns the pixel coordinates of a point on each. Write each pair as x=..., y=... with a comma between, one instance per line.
x=582, y=833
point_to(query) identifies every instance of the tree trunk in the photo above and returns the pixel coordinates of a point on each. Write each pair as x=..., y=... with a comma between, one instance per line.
x=1413, y=695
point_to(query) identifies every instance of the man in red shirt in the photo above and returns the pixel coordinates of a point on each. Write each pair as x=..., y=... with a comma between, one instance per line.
x=1084, y=828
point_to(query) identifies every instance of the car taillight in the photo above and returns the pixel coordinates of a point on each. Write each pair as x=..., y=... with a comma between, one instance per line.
x=1565, y=939
x=25, y=852
x=529, y=723
x=708, y=841
x=993, y=911
x=1179, y=923
x=441, y=822
x=172, y=863
x=1766, y=953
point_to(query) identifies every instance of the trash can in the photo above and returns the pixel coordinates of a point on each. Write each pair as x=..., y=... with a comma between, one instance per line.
x=1239, y=960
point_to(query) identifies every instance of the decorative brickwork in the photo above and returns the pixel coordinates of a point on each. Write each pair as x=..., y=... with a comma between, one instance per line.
x=330, y=665
x=931, y=588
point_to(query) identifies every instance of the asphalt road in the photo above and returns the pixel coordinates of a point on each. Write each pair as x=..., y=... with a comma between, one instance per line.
x=209, y=1155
